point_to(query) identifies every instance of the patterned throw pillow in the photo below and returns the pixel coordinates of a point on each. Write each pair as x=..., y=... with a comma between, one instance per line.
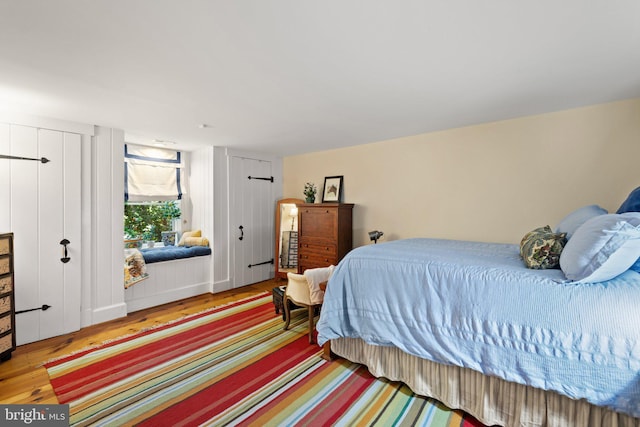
x=541, y=248
x=135, y=269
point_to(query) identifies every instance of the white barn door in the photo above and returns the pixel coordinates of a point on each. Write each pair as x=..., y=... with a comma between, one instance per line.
x=251, y=220
x=41, y=205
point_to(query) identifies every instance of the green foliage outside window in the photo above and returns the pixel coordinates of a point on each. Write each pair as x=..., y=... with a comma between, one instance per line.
x=148, y=220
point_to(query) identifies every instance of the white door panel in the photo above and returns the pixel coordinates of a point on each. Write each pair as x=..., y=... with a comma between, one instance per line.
x=24, y=225
x=251, y=209
x=44, y=206
x=50, y=230
x=72, y=218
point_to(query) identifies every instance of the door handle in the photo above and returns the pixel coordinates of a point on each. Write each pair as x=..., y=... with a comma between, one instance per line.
x=65, y=255
x=241, y=233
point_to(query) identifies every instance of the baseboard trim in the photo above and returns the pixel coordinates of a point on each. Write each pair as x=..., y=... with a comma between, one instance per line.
x=172, y=295
x=223, y=285
x=110, y=312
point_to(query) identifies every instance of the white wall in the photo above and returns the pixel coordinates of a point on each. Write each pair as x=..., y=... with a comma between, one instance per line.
x=103, y=294
x=209, y=187
x=202, y=199
x=490, y=182
x=220, y=244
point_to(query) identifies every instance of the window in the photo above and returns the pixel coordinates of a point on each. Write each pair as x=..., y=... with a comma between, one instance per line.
x=147, y=220
x=154, y=187
x=152, y=174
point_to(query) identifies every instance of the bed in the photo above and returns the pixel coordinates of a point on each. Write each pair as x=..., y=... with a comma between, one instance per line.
x=467, y=323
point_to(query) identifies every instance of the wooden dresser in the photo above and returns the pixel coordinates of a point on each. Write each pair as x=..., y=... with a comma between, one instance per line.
x=325, y=234
x=7, y=299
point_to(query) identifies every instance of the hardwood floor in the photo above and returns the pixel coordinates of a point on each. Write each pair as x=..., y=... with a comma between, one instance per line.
x=24, y=380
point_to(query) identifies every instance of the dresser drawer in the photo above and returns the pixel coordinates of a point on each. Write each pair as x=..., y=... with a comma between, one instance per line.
x=5, y=245
x=319, y=249
x=318, y=222
x=5, y=304
x=5, y=324
x=6, y=343
x=314, y=256
x=5, y=265
x=6, y=284
x=307, y=262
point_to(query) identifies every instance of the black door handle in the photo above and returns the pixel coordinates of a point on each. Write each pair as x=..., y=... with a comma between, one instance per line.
x=65, y=259
x=241, y=233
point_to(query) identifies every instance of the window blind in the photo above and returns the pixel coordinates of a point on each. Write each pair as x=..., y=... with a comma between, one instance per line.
x=152, y=174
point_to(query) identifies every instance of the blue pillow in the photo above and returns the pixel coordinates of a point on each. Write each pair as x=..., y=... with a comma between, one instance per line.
x=632, y=204
x=602, y=248
x=570, y=223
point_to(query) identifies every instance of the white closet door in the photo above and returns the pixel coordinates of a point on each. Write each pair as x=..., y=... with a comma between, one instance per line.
x=251, y=220
x=43, y=208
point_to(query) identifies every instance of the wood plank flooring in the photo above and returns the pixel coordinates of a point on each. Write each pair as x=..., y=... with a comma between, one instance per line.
x=24, y=380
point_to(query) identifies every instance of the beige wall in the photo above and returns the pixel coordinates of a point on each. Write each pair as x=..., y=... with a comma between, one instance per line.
x=490, y=182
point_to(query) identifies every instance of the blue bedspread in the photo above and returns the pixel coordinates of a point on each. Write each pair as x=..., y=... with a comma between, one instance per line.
x=168, y=253
x=477, y=306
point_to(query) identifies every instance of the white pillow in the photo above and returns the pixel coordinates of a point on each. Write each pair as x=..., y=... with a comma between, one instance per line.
x=314, y=277
x=602, y=248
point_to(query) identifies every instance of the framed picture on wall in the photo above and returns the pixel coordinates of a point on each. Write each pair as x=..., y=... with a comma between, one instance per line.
x=332, y=191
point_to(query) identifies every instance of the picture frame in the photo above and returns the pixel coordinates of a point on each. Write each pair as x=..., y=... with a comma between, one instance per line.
x=332, y=190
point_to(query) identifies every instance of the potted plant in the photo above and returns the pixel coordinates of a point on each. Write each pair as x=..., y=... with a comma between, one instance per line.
x=310, y=192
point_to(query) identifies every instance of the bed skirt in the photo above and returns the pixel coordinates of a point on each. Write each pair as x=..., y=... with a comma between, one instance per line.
x=491, y=400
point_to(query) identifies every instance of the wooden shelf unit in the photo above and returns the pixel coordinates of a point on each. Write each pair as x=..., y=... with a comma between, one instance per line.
x=7, y=298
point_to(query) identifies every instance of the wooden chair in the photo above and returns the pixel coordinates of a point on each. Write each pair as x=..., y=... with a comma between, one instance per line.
x=298, y=292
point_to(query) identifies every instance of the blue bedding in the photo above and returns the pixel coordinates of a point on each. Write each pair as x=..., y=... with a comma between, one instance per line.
x=168, y=253
x=476, y=305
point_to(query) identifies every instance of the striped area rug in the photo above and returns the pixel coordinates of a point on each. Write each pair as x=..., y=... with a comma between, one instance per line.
x=233, y=365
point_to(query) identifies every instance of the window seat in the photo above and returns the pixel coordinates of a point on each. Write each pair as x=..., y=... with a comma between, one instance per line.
x=168, y=253
x=183, y=272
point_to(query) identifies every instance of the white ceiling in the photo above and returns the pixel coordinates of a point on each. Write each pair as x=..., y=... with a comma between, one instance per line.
x=294, y=76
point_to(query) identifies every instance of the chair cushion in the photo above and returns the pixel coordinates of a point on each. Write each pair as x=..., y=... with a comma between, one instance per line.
x=168, y=253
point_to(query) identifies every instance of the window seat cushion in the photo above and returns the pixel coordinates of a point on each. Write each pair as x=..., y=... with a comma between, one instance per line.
x=168, y=253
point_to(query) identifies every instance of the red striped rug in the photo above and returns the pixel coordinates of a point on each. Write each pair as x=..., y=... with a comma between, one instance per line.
x=233, y=365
